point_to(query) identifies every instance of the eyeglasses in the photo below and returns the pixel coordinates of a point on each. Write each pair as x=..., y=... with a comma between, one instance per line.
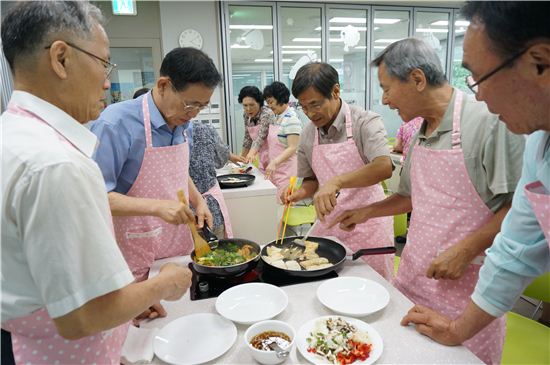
x=189, y=108
x=314, y=107
x=473, y=84
x=109, y=66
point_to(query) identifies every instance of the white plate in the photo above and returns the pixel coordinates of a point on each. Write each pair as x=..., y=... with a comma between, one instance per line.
x=353, y=296
x=194, y=339
x=305, y=330
x=252, y=302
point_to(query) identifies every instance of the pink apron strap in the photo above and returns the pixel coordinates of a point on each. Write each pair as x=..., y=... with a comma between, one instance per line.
x=455, y=135
x=147, y=121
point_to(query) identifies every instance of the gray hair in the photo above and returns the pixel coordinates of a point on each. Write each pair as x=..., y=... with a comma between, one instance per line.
x=406, y=55
x=29, y=26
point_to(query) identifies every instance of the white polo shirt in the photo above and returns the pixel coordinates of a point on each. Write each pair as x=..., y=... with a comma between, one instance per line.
x=58, y=247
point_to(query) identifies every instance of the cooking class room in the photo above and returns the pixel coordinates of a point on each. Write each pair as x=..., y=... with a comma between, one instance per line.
x=275, y=182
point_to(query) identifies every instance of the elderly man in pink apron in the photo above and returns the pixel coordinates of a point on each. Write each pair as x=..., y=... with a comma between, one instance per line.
x=67, y=293
x=459, y=177
x=143, y=155
x=257, y=121
x=283, y=137
x=510, y=73
x=344, y=149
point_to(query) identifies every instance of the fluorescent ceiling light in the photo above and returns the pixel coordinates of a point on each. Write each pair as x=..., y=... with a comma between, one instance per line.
x=336, y=60
x=250, y=26
x=239, y=46
x=362, y=29
x=431, y=30
x=360, y=47
x=242, y=75
x=459, y=23
x=386, y=20
x=270, y=60
x=379, y=47
x=386, y=40
x=338, y=19
x=306, y=40
x=336, y=40
x=295, y=52
x=305, y=46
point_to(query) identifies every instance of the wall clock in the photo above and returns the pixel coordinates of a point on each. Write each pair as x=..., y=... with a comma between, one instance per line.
x=190, y=38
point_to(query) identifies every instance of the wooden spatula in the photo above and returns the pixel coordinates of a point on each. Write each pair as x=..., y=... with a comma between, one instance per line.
x=201, y=246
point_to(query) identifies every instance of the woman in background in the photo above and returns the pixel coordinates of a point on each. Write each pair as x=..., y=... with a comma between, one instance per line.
x=257, y=119
x=404, y=136
x=208, y=153
x=283, y=136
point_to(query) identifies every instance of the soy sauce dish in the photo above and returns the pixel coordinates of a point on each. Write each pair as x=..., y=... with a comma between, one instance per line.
x=259, y=336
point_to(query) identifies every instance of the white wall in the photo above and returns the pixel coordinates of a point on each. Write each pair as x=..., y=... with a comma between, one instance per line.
x=176, y=16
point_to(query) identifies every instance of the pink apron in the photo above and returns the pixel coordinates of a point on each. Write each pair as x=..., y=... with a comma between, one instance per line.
x=539, y=198
x=329, y=160
x=216, y=193
x=446, y=209
x=263, y=153
x=35, y=339
x=144, y=239
x=281, y=177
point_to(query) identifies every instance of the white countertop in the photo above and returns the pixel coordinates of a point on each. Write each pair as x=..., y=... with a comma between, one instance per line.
x=259, y=187
x=402, y=345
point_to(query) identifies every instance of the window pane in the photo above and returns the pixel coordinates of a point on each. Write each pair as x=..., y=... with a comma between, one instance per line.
x=251, y=55
x=459, y=73
x=300, y=43
x=348, y=51
x=134, y=70
x=433, y=28
x=389, y=26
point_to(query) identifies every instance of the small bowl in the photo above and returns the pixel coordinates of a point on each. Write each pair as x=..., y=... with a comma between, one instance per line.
x=268, y=357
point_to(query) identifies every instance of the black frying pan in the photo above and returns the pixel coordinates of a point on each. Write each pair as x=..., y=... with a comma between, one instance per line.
x=226, y=271
x=332, y=250
x=244, y=180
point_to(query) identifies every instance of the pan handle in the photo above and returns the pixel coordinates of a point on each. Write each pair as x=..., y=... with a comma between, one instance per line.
x=373, y=251
x=210, y=236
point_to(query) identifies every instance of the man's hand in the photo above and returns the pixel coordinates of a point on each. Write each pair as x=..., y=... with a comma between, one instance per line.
x=297, y=195
x=154, y=311
x=325, y=198
x=434, y=325
x=450, y=264
x=350, y=218
x=204, y=214
x=178, y=279
x=173, y=212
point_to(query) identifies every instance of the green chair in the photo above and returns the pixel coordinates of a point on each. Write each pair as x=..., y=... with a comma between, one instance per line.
x=539, y=289
x=299, y=215
x=396, y=262
x=527, y=341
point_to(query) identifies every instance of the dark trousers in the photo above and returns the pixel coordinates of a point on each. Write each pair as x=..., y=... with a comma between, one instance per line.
x=7, y=351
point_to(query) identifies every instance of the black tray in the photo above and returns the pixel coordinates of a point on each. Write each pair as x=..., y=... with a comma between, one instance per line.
x=247, y=179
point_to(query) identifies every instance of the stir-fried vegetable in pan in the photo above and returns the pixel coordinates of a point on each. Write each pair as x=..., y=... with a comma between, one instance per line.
x=228, y=254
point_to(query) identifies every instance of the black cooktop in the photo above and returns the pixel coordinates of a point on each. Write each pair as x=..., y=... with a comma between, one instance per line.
x=209, y=286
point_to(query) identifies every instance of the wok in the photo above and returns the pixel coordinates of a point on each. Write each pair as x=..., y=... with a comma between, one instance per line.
x=231, y=270
x=332, y=250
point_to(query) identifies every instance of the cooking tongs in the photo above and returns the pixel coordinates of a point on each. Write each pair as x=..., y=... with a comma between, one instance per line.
x=210, y=236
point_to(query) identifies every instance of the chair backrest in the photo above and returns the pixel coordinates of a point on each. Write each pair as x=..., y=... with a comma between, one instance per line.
x=539, y=288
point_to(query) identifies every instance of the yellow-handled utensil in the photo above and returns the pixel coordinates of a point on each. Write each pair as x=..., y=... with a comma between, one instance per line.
x=292, y=185
x=201, y=246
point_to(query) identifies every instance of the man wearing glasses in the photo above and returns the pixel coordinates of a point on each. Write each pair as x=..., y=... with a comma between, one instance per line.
x=459, y=177
x=507, y=50
x=344, y=149
x=144, y=157
x=67, y=292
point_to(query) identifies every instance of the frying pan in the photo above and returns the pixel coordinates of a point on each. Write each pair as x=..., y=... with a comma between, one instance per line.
x=332, y=250
x=246, y=180
x=226, y=271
